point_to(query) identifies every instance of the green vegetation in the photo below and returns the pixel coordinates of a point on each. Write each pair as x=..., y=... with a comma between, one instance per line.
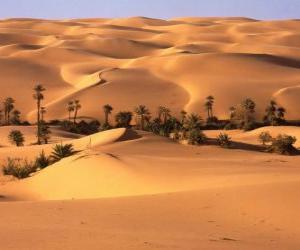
x=18, y=168
x=265, y=137
x=61, y=151
x=123, y=119
x=16, y=137
x=224, y=140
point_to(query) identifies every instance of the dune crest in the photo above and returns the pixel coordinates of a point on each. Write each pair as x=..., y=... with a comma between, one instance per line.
x=201, y=56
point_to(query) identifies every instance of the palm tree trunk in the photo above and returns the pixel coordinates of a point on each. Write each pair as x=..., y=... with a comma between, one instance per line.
x=69, y=115
x=75, y=115
x=8, y=118
x=106, y=118
x=142, y=122
x=38, y=121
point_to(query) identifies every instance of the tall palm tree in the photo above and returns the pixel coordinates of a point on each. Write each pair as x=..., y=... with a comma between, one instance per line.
x=70, y=108
x=142, y=112
x=160, y=112
x=77, y=106
x=248, y=106
x=43, y=112
x=209, y=106
x=107, y=111
x=271, y=112
x=38, y=96
x=164, y=113
x=8, y=107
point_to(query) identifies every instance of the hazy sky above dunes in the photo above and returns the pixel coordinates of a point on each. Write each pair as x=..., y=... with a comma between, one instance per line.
x=260, y=9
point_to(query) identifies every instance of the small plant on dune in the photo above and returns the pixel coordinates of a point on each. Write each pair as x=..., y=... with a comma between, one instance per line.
x=16, y=137
x=196, y=137
x=283, y=144
x=61, y=151
x=265, y=137
x=18, y=168
x=42, y=161
x=224, y=140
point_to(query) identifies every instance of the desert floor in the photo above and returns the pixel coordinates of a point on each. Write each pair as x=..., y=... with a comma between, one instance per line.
x=135, y=190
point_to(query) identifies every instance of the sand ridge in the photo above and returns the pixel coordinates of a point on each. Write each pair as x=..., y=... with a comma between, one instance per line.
x=201, y=56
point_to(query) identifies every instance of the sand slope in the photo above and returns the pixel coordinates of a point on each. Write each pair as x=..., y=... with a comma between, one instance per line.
x=183, y=60
x=154, y=193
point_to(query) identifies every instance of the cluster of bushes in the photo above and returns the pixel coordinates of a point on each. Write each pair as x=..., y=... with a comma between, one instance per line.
x=83, y=127
x=22, y=168
x=281, y=144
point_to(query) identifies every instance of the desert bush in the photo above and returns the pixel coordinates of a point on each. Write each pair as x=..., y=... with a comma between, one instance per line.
x=105, y=126
x=196, y=137
x=265, y=137
x=42, y=161
x=16, y=137
x=61, y=151
x=230, y=126
x=82, y=127
x=283, y=144
x=18, y=168
x=224, y=140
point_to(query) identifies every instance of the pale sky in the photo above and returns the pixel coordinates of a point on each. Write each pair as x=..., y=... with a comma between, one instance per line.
x=58, y=9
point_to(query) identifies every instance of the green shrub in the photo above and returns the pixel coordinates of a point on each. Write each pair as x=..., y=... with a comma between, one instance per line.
x=224, y=140
x=18, y=168
x=16, y=137
x=265, y=137
x=283, y=144
x=61, y=151
x=196, y=137
x=42, y=161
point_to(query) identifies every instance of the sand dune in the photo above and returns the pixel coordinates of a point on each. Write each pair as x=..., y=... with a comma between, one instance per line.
x=157, y=193
x=202, y=56
x=134, y=190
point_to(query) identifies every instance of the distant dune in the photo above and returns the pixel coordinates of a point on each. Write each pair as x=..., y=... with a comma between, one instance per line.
x=175, y=63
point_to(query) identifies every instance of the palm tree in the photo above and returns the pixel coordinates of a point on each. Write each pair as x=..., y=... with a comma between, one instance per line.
x=16, y=117
x=45, y=132
x=38, y=96
x=183, y=114
x=123, y=119
x=16, y=137
x=77, y=106
x=248, y=106
x=165, y=113
x=209, y=106
x=281, y=113
x=8, y=107
x=70, y=108
x=43, y=112
x=271, y=113
x=142, y=112
x=160, y=112
x=107, y=111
